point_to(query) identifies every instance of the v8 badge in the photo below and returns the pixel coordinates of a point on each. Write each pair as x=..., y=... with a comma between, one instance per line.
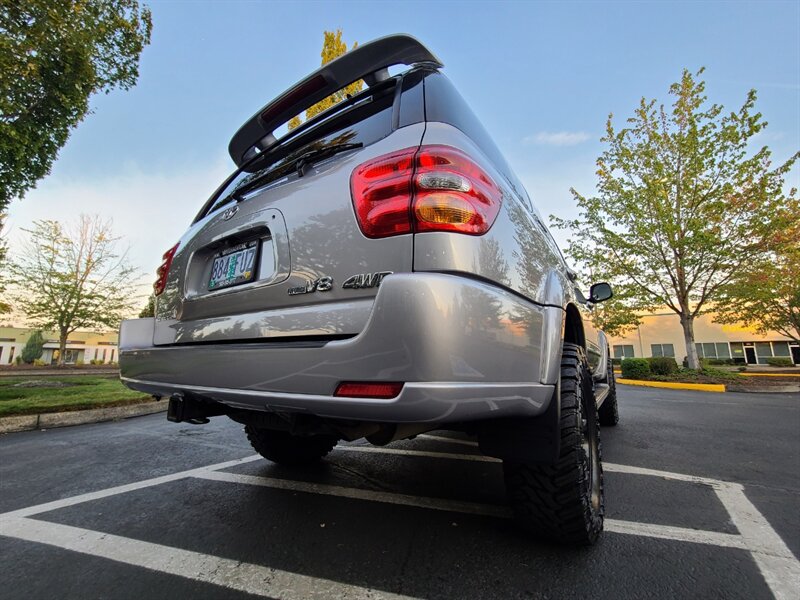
x=322, y=284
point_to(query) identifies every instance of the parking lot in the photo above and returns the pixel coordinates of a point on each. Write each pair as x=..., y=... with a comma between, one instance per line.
x=702, y=496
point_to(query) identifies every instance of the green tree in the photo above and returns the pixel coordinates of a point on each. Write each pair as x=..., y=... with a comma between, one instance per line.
x=68, y=278
x=33, y=347
x=682, y=206
x=332, y=47
x=766, y=295
x=4, y=305
x=53, y=57
x=150, y=308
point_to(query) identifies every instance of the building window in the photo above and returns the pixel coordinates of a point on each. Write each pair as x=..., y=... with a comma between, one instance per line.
x=112, y=356
x=662, y=350
x=763, y=350
x=11, y=354
x=623, y=351
x=70, y=356
x=780, y=348
x=737, y=351
x=719, y=350
x=723, y=351
x=709, y=350
x=104, y=355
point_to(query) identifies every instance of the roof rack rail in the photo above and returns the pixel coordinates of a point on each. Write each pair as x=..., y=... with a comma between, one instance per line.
x=369, y=62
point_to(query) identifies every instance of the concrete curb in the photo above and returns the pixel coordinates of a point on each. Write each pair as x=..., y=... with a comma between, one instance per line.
x=698, y=387
x=78, y=417
x=768, y=375
x=767, y=389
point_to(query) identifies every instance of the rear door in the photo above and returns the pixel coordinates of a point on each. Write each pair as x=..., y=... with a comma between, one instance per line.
x=274, y=263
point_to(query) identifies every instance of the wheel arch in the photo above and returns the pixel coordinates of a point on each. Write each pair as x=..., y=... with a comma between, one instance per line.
x=573, y=326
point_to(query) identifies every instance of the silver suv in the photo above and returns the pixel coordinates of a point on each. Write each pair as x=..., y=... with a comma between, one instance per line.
x=379, y=272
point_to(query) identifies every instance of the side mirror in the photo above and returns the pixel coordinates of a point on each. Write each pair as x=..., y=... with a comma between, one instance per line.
x=600, y=292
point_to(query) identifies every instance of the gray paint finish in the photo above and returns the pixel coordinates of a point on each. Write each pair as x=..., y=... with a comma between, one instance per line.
x=443, y=331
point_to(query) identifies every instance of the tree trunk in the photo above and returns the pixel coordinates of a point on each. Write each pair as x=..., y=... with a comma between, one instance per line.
x=62, y=346
x=687, y=322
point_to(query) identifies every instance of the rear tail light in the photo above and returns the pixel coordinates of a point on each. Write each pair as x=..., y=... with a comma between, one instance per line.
x=163, y=270
x=368, y=389
x=431, y=188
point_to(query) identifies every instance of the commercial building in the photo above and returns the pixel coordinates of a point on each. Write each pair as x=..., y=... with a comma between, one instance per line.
x=82, y=346
x=661, y=334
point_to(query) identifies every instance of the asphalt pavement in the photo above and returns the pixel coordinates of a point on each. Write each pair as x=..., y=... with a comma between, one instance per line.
x=702, y=497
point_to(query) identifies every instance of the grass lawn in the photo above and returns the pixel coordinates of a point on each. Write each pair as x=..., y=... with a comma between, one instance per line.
x=75, y=393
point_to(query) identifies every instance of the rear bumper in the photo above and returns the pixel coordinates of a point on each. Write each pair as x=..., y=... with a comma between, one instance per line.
x=465, y=351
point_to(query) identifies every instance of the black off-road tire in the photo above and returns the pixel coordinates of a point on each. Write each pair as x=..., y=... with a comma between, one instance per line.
x=608, y=411
x=563, y=502
x=286, y=449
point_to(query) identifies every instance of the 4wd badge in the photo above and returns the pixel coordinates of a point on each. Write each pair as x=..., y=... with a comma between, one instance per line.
x=365, y=280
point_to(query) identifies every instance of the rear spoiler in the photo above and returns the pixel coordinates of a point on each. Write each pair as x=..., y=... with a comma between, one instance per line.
x=369, y=62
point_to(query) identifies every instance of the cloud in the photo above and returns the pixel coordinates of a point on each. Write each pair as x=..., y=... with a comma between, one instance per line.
x=150, y=210
x=558, y=138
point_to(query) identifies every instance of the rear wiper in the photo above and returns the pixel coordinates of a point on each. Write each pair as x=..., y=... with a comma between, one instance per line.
x=300, y=164
x=309, y=158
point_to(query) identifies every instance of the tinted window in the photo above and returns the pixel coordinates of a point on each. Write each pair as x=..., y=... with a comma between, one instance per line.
x=412, y=104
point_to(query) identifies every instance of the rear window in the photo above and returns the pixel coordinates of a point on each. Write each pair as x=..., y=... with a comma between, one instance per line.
x=366, y=120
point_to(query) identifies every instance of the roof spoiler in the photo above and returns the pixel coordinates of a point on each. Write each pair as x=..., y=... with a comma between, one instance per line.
x=369, y=62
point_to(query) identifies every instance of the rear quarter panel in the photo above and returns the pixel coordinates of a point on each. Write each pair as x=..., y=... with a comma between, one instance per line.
x=517, y=253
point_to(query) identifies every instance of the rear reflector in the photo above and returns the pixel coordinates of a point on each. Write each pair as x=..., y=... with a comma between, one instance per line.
x=354, y=389
x=430, y=188
x=163, y=270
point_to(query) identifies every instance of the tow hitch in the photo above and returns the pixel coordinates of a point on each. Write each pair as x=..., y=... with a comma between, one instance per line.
x=185, y=409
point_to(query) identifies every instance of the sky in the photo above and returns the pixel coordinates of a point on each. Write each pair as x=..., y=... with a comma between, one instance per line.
x=542, y=76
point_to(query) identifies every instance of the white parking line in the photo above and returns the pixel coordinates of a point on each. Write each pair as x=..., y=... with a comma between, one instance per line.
x=444, y=438
x=422, y=453
x=779, y=567
x=244, y=577
x=777, y=564
x=664, y=532
x=360, y=494
x=120, y=489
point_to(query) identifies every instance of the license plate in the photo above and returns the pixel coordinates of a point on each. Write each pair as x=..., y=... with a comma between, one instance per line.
x=234, y=266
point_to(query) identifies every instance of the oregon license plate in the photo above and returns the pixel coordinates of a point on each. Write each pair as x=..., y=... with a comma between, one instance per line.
x=234, y=266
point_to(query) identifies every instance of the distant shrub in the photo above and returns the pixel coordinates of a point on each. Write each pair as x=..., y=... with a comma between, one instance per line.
x=34, y=347
x=779, y=361
x=662, y=365
x=18, y=360
x=38, y=362
x=79, y=362
x=742, y=369
x=635, y=368
x=616, y=361
x=717, y=373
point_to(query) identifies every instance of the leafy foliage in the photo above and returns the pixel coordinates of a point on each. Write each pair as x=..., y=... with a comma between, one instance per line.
x=4, y=305
x=332, y=47
x=34, y=347
x=53, y=57
x=681, y=208
x=150, y=308
x=68, y=278
x=779, y=361
x=635, y=368
x=662, y=365
x=765, y=295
